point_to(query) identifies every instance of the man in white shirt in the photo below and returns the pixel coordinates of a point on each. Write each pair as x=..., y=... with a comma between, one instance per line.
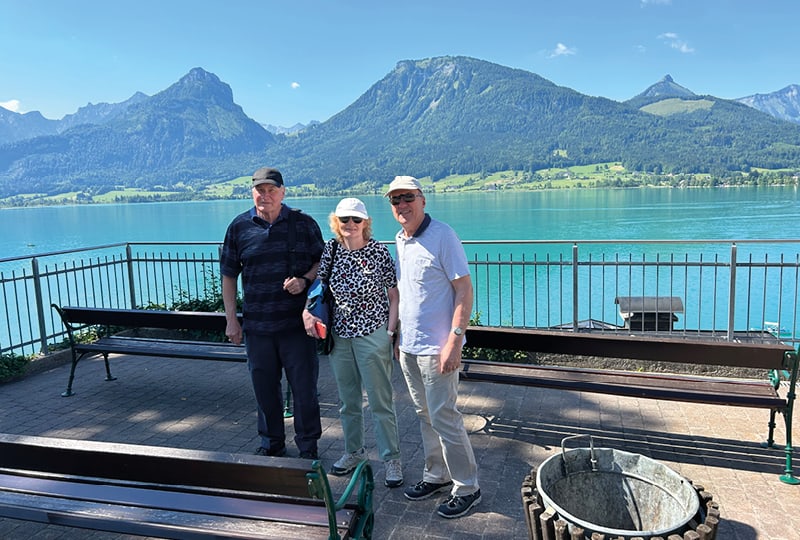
x=435, y=306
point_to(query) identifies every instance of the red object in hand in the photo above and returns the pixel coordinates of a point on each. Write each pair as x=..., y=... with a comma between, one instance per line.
x=321, y=329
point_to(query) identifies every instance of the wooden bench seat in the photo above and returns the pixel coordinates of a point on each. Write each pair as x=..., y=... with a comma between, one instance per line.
x=775, y=392
x=198, y=350
x=718, y=391
x=177, y=493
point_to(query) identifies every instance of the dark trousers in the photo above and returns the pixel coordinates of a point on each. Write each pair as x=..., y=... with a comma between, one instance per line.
x=294, y=353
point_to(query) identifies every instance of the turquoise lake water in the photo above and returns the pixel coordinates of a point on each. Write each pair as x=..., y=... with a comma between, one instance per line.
x=614, y=216
x=625, y=214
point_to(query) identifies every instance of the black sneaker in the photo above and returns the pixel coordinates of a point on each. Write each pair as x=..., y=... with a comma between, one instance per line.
x=422, y=490
x=277, y=452
x=458, y=505
x=309, y=454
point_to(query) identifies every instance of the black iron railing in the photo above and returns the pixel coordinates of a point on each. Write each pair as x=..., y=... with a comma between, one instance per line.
x=723, y=287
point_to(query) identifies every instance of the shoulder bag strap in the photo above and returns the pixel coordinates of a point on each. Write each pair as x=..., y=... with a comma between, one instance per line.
x=333, y=256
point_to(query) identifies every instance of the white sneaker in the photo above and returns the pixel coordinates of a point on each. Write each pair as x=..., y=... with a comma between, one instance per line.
x=348, y=462
x=394, y=473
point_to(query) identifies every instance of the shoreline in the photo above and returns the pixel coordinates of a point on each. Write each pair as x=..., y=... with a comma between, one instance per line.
x=291, y=193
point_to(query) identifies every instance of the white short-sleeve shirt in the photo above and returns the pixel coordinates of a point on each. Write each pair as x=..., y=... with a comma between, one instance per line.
x=427, y=263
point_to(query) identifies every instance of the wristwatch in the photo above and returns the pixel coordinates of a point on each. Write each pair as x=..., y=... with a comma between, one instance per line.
x=458, y=331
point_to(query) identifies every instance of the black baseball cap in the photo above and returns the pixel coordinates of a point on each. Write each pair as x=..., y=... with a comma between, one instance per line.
x=267, y=175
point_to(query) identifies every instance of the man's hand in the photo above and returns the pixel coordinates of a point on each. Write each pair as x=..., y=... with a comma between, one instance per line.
x=232, y=327
x=294, y=285
x=234, y=332
x=450, y=356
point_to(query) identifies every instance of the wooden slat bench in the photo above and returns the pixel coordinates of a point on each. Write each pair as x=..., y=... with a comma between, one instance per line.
x=178, y=493
x=760, y=351
x=76, y=319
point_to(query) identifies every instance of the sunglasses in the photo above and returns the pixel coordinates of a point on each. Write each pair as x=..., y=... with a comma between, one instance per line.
x=405, y=197
x=347, y=219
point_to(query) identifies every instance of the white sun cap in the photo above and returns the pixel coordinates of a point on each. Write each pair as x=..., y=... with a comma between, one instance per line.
x=351, y=207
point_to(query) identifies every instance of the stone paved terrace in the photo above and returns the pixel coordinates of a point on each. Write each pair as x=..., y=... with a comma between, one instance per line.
x=209, y=406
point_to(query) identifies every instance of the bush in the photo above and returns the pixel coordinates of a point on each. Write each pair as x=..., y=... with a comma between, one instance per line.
x=12, y=366
x=210, y=301
x=492, y=355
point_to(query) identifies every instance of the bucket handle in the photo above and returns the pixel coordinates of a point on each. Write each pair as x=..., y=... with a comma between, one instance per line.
x=592, y=459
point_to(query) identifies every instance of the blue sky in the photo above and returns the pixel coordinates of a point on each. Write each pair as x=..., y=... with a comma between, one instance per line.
x=292, y=61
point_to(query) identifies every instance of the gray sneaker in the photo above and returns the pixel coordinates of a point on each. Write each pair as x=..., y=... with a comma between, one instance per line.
x=394, y=473
x=348, y=462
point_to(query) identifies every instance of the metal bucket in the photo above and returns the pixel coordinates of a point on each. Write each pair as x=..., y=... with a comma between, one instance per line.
x=616, y=493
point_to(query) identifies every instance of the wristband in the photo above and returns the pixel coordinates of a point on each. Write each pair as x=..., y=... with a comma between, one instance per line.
x=308, y=281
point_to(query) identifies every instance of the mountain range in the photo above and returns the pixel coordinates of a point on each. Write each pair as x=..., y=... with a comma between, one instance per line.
x=432, y=117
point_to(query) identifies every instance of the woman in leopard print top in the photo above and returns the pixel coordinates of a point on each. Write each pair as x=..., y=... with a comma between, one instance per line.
x=364, y=286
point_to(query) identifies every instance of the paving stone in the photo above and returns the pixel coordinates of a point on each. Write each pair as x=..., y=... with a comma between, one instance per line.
x=210, y=406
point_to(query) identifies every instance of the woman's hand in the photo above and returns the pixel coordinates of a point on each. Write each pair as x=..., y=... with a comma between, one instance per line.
x=310, y=322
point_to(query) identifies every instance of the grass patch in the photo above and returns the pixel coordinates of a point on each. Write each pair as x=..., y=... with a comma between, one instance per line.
x=552, y=178
x=224, y=190
x=120, y=195
x=667, y=107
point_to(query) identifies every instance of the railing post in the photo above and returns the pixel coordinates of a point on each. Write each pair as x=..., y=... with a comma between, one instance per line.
x=574, y=287
x=37, y=293
x=732, y=294
x=131, y=286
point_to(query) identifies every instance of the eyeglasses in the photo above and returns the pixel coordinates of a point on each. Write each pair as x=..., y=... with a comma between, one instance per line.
x=347, y=219
x=404, y=197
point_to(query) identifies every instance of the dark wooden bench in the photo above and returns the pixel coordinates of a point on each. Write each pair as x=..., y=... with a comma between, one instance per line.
x=76, y=319
x=178, y=493
x=748, y=350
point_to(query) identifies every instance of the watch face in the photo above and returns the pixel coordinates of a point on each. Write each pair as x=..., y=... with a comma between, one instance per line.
x=457, y=331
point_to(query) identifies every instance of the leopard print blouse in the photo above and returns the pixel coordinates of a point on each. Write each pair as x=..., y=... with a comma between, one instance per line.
x=359, y=281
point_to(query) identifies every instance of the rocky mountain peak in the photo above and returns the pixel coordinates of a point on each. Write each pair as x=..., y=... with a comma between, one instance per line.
x=667, y=88
x=783, y=104
x=201, y=85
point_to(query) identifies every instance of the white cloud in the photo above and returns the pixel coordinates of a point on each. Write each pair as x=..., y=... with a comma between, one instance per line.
x=295, y=85
x=12, y=105
x=674, y=41
x=562, y=50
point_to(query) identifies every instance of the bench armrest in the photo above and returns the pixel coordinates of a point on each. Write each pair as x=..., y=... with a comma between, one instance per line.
x=67, y=324
x=319, y=487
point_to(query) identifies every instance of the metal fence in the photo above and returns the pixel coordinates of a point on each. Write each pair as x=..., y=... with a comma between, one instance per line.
x=127, y=275
x=722, y=287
